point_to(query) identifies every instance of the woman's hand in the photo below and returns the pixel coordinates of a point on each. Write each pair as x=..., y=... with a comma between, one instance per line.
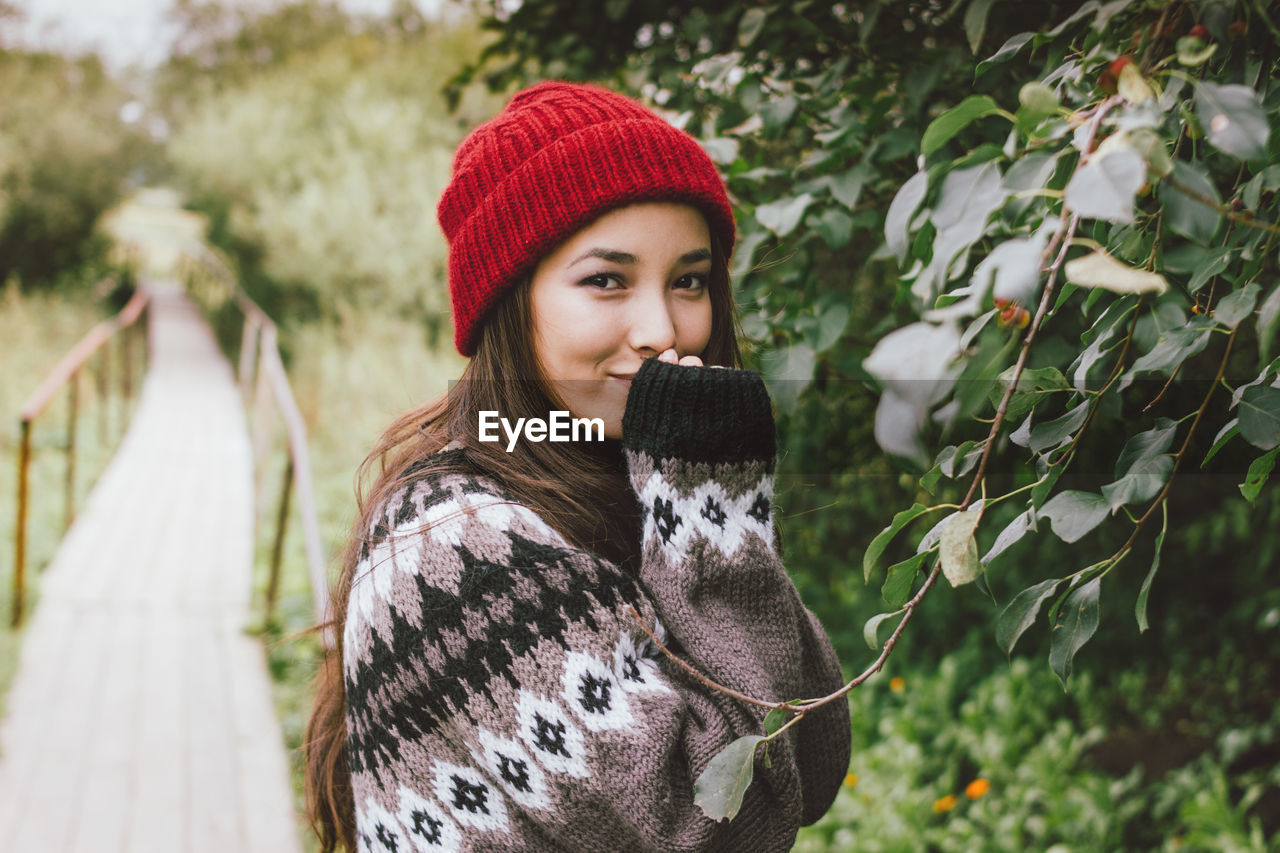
x=669, y=356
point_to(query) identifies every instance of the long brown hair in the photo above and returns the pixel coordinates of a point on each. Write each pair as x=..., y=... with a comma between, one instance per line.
x=581, y=491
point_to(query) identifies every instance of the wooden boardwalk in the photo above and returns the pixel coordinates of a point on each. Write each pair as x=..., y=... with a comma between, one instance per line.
x=140, y=719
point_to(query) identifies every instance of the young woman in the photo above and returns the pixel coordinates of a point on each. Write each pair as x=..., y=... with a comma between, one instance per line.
x=495, y=686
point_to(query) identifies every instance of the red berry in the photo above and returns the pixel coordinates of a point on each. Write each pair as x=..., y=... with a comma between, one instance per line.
x=1199, y=31
x=1117, y=65
x=1237, y=29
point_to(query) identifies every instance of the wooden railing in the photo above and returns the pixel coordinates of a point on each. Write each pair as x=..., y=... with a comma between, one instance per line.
x=263, y=381
x=67, y=375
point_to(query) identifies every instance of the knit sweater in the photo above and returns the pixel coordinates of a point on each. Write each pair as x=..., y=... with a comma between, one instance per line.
x=502, y=696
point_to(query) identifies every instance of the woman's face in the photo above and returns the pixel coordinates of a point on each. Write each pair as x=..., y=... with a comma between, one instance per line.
x=632, y=284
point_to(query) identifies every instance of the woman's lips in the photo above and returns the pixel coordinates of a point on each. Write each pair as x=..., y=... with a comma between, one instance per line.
x=625, y=379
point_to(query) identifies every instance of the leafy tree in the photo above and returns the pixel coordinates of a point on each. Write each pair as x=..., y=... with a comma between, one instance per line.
x=1044, y=234
x=65, y=157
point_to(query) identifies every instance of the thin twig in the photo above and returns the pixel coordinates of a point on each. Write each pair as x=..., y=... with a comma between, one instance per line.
x=1226, y=210
x=786, y=706
x=1186, y=443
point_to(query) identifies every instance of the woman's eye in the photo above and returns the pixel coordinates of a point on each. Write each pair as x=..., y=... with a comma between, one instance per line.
x=693, y=281
x=604, y=281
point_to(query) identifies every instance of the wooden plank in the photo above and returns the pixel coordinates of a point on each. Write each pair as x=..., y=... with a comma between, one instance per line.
x=54, y=800
x=214, y=820
x=266, y=795
x=108, y=788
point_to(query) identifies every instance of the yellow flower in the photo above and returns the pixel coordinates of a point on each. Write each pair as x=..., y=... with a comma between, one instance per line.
x=944, y=804
x=897, y=685
x=977, y=788
x=851, y=780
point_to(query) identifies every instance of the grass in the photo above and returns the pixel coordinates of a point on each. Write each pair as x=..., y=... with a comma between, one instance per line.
x=38, y=329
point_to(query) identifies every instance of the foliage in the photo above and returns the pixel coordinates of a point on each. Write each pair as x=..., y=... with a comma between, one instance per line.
x=319, y=169
x=1010, y=259
x=954, y=760
x=65, y=156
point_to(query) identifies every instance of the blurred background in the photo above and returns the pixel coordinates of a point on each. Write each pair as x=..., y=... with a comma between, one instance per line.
x=309, y=142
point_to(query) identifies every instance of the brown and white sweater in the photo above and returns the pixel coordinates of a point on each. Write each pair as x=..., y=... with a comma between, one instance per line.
x=501, y=695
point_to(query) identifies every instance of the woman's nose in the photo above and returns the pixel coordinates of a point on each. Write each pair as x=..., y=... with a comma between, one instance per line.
x=652, y=328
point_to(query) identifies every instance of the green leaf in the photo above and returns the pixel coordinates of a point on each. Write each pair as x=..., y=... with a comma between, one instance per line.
x=835, y=227
x=1038, y=99
x=774, y=720
x=898, y=218
x=1174, y=346
x=1259, y=471
x=750, y=24
x=1146, y=445
x=777, y=112
x=846, y=187
x=721, y=786
x=959, y=549
x=1013, y=531
x=1101, y=333
x=721, y=149
x=1150, y=145
x=1077, y=621
x=954, y=120
x=1229, y=431
x=1104, y=187
x=787, y=372
x=1034, y=387
x=1141, y=482
x=900, y=578
x=870, y=630
x=1268, y=322
x=1053, y=434
x=831, y=324
x=1185, y=215
x=1017, y=617
x=956, y=461
x=975, y=21
x=1215, y=262
x=1040, y=491
x=884, y=537
x=1140, y=609
x=782, y=216
x=1237, y=305
x=1005, y=53
x=1260, y=416
x=1099, y=269
x=1194, y=52
x=1072, y=514
x=1233, y=118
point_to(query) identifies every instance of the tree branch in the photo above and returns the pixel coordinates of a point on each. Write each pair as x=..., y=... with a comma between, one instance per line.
x=1234, y=215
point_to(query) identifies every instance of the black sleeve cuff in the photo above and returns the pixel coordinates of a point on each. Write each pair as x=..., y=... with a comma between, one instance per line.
x=699, y=414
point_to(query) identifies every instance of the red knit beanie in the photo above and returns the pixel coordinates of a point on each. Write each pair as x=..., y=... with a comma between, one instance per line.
x=556, y=158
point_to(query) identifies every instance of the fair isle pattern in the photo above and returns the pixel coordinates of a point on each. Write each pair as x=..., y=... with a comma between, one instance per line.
x=501, y=695
x=449, y=554
x=708, y=513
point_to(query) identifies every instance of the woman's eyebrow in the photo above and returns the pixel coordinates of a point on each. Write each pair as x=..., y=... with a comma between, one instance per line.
x=610, y=255
x=695, y=256
x=616, y=257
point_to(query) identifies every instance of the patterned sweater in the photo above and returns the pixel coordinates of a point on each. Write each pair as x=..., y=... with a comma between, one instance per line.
x=502, y=696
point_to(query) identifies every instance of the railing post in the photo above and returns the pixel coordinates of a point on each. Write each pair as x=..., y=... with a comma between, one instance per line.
x=103, y=388
x=248, y=351
x=73, y=417
x=277, y=547
x=127, y=371
x=20, y=531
